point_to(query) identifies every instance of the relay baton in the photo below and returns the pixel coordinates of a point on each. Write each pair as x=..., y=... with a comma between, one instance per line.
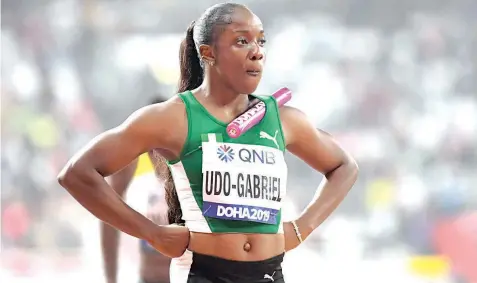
x=255, y=114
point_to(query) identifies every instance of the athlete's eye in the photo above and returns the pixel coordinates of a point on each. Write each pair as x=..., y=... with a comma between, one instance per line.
x=242, y=41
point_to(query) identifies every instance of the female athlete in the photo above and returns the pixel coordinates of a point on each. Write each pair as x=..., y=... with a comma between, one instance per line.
x=230, y=190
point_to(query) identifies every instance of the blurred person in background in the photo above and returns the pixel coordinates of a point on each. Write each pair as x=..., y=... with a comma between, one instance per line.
x=185, y=129
x=154, y=267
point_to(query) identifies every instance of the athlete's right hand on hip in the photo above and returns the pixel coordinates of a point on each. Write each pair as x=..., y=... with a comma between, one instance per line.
x=171, y=240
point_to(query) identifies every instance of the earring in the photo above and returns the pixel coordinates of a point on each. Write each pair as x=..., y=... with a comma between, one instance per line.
x=208, y=62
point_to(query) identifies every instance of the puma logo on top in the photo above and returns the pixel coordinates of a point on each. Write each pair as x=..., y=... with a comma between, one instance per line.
x=264, y=135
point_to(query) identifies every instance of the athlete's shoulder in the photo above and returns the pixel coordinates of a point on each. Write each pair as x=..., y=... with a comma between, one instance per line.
x=290, y=112
x=165, y=123
x=172, y=106
x=293, y=120
x=158, y=116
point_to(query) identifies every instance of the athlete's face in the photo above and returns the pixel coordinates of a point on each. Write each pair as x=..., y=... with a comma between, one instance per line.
x=239, y=52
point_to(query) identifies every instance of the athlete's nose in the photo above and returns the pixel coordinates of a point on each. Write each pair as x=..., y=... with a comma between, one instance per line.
x=257, y=53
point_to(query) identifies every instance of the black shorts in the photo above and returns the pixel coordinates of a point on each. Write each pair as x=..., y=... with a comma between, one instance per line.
x=209, y=269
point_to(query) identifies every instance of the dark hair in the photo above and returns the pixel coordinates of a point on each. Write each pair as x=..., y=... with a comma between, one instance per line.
x=202, y=31
x=174, y=212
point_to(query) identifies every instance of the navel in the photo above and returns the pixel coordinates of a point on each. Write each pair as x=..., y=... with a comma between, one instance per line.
x=247, y=247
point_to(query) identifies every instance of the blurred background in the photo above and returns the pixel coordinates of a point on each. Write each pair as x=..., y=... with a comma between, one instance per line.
x=394, y=81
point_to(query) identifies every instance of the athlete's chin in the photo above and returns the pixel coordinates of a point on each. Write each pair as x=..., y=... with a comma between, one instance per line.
x=249, y=87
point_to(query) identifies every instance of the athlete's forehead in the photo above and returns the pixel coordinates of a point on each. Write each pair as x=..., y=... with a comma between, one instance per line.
x=243, y=20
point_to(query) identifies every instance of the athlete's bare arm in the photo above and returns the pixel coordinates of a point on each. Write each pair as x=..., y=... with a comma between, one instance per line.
x=319, y=150
x=160, y=126
x=119, y=181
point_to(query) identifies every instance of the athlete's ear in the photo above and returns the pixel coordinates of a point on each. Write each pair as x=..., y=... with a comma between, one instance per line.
x=206, y=53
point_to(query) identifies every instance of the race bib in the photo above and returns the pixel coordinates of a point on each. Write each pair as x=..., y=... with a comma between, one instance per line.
x=242, y=182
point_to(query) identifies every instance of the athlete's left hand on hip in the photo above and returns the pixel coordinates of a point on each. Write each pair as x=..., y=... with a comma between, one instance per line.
x=291, y=238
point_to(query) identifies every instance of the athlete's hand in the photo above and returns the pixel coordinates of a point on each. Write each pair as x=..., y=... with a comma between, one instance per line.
x=291, y=239
x=171, y=240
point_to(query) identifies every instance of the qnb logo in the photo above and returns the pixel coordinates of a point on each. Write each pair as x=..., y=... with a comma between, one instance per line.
x=225, y=153
x=257, y=156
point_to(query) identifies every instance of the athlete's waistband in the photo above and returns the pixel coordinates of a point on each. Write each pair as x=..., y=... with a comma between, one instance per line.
x=232, y=269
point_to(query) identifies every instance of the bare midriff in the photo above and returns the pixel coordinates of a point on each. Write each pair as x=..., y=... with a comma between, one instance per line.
x=239, y=247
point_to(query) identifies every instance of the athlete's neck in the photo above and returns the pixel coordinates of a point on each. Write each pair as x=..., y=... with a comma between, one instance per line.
x=219, y=94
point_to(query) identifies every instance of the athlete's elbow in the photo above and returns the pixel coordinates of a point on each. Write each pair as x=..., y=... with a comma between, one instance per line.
x=64, y=176
x=70, y=175
x=352, y=169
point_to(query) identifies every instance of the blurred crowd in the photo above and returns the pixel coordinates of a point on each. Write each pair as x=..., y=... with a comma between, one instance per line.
x=393, y=81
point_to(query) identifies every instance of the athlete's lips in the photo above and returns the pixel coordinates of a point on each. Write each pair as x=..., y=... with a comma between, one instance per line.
x=254, y=72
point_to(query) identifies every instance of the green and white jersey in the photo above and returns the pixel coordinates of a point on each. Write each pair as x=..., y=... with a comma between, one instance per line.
x=228, y=185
